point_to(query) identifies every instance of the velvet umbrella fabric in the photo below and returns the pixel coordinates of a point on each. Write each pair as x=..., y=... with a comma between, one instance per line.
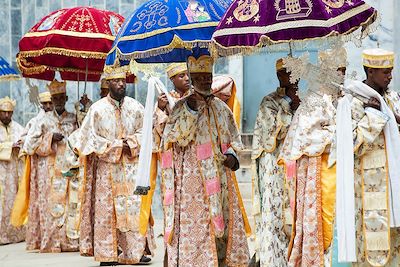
x=165, y=31
x=74, y=41
x=7, y=73
x=252, y=24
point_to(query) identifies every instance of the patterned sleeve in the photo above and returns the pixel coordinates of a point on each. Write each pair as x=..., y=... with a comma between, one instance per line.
x=368, y=123
x=271, y=126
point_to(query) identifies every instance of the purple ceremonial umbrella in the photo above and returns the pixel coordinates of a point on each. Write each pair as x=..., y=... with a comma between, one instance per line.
x=252, y=24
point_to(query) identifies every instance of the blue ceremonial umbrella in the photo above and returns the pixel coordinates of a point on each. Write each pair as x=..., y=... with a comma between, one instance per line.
x=165, y=31
x=7, y=73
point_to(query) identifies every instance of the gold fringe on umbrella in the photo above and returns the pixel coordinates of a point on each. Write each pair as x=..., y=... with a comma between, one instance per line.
x=30, y=68
x=62, y=52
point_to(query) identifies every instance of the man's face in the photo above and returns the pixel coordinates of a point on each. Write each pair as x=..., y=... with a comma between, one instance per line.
x=47, y=106
x=181, y=81
x=104, y=92
x=117, y=88
x=202, y=83
x=59, y=101
x=381, y=77
x=5, y=117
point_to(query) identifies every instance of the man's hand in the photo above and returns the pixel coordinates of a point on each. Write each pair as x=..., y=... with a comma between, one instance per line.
x=397, y=118
x=84, y=100
x=126, y=149
x=373, y=103
x=195, y=100
x=17, y=144
x=162, y=101
x=57, y=137
x=230, y=161
x=292, y=92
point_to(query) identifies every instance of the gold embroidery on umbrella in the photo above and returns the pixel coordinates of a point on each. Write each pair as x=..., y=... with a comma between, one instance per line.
x=334, y=3
x=292, y=9
x=246, y=10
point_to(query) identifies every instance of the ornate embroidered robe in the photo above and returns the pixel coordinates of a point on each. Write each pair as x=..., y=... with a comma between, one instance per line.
x=204, y=219
x=377, y=243
x=116, y=216
x=10, y=173
x=47, y=159
x=270, y=200
x=311, y=183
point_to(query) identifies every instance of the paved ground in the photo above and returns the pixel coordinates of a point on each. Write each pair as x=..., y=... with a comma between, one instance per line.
x=15, y=255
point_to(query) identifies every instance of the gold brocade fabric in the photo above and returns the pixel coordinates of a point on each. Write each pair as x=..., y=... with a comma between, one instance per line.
x=10, y=174
x=328, y=198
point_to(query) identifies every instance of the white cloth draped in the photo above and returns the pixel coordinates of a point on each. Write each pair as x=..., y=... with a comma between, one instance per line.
x=345, y=171
x=146, y=148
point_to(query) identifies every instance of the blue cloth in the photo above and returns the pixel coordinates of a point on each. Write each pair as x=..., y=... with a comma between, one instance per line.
x=165, y=31
x=6, y=71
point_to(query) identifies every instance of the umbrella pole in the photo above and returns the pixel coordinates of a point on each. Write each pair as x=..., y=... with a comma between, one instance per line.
x=290, y=49
x=78, y=87
x=190, y=79
x=86, y=75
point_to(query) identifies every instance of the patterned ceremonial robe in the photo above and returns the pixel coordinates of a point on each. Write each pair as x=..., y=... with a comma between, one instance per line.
x=270, y=199
x=47, y=159
x=116, y=210
x=377, y=243
x=204, y=219
x=10, y=172
x=311, y=184
x=30, y=123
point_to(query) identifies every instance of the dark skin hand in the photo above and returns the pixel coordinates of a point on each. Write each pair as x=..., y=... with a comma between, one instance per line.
x=373, y=103
x=57, y=137
x=162, y=101
x=17, y=144
x=291, y=91
x=397, y=118
x=126, y=149
x=230, y=161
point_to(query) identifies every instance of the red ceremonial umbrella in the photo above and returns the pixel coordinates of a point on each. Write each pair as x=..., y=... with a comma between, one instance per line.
x=74, y=41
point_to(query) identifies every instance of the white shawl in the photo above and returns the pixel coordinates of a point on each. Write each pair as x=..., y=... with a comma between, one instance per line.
x=345, y=211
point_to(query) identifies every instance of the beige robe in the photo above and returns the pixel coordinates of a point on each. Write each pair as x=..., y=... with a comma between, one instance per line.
x=204, y=219
x=110, y=185
x=47, y=159
x=10, y=174
x=270, y=199
x=371, y=180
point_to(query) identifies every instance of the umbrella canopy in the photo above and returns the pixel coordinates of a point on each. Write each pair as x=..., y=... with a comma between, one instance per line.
x=163, y=31
x=251, y=24
x=7, y=73
x=71, y=40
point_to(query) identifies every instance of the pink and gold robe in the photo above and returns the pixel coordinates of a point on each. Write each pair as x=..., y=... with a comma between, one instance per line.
x=111, y=182
x=50, y=192
x=311, y=183
x=204, y=219
x=270, y=199
x=10, y=173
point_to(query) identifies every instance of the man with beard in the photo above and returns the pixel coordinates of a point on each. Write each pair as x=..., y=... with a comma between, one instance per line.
x=111, y=132
x=368, y=151
x=270, y=200
x=10, y=171
x=204, y=224
x=46, y=143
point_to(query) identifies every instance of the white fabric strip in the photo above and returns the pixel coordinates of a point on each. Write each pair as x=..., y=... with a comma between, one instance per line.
x=345, y=206
x=146, y=144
